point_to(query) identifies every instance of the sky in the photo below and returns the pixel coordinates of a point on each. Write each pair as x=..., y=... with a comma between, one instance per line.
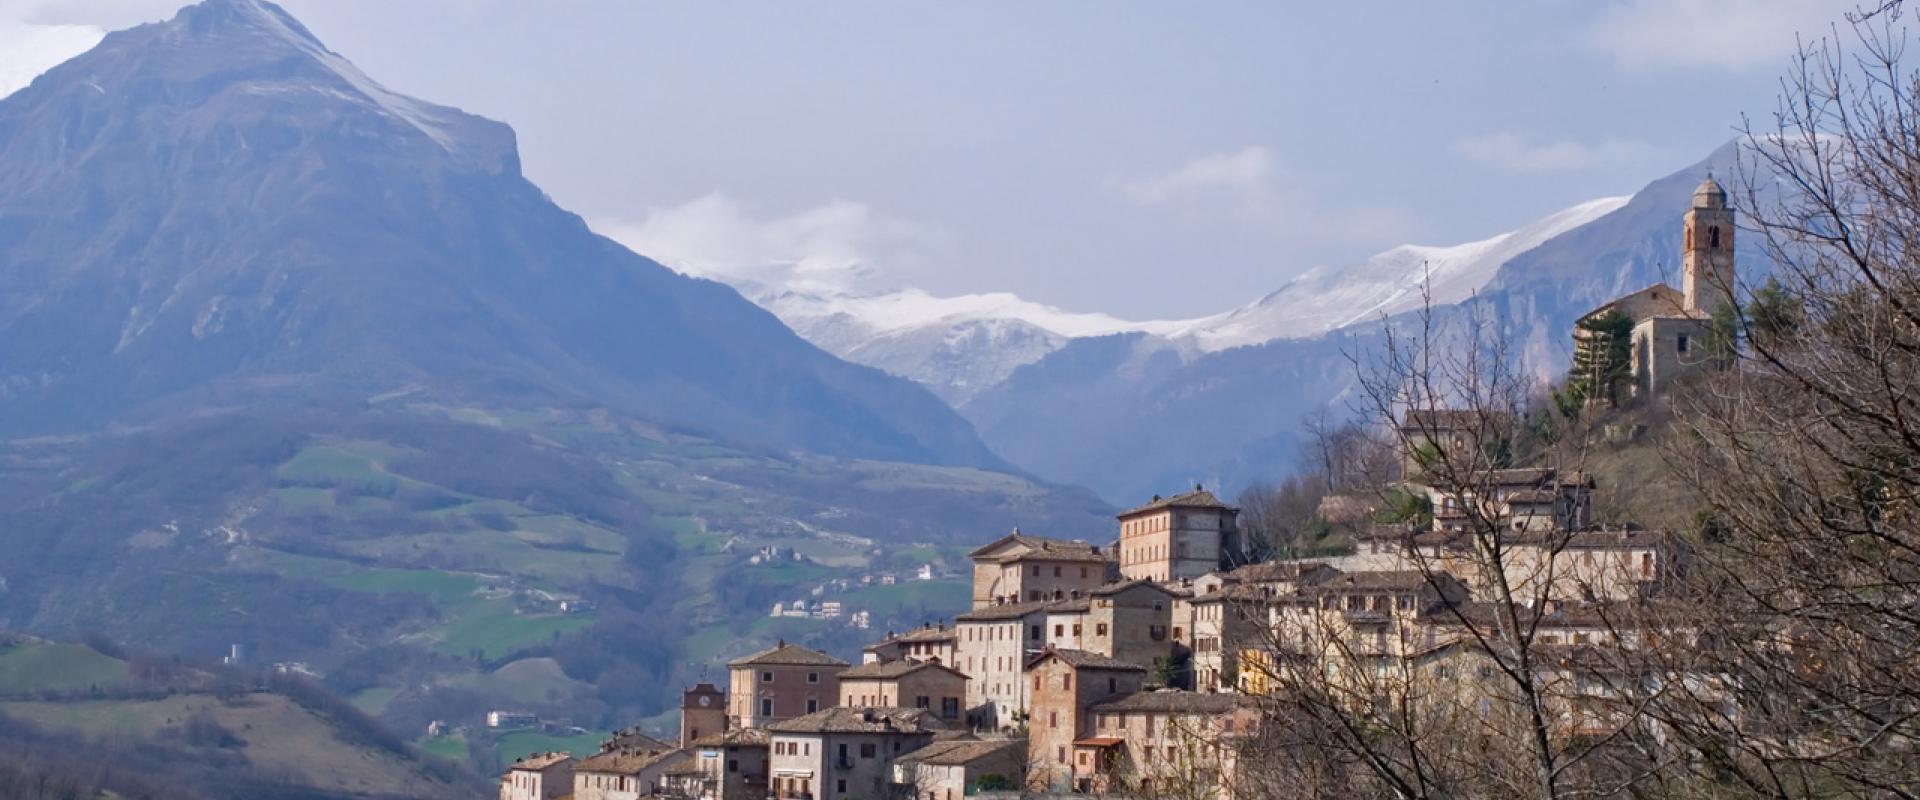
x=1148, y=160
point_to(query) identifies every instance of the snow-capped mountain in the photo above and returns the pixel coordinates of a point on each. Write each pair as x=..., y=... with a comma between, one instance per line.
x=1326, y=299
x=960, y=346
x=956, y=346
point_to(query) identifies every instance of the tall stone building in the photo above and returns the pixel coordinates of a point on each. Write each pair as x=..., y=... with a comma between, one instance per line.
x=1171, y=538
x=1670, y=327
x=703, y=710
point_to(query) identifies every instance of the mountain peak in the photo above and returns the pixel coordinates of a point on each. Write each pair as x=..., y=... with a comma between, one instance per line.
x=255, y=16
x=232, y=61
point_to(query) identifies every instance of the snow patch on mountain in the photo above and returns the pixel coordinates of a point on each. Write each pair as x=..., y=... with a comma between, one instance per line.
x=961, y=345
x=1392, y=282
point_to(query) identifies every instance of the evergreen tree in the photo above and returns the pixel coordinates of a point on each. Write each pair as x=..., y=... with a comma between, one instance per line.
x=1602, y=362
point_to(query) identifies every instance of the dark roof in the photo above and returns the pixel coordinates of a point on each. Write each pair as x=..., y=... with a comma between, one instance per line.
x=627, y=762
x=539, y=761
x=862, y=719
x=958, y=752
x=788, y=655
x=1043, y=549
x=1172, y=701
x=734, y=737
x=1116, y=588
x=1384, y=580
x=893, y=669
x=1198, y=498
x=1277, y=571
x=1004, y=611
x=634, y=739
x=1081, y=659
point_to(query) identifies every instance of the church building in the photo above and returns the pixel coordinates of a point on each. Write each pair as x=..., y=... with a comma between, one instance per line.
x=1671, y=326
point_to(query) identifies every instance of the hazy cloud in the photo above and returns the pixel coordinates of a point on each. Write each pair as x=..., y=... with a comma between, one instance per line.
x=1521, y=153
x=1246, y=173
x=835, y=245
x=1733, y=35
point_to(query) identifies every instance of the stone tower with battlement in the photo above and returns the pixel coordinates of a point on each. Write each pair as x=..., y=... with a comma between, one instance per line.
x=1706, y=258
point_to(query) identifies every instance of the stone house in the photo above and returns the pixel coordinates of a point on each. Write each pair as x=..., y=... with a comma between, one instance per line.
x=1224, y=623
x=782, y=682
x=935, y=642
x=1171, y=538
x=1528, y=499
x=538, y=776
x=1165, y=738
x=624, y=774
x=1356, y=626
x=1462, y=441
x=1131, y=621
x=1671, y=326
x=952, y=770
x=1020, y=568
x=1063, y=684
x=844, y=753
x=993, y=647
x=732, y=765
x=906, y=684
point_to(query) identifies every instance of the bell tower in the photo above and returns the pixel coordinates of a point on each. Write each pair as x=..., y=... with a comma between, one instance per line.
x=1707, y=257
x=703, y=711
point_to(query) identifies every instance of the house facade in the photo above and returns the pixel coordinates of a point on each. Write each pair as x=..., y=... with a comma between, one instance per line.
x=845, y=753
x=782, y=682
x=1171, y=538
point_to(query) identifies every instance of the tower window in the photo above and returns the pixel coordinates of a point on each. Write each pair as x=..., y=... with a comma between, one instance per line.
x=1713, y=238
x=1683, y=343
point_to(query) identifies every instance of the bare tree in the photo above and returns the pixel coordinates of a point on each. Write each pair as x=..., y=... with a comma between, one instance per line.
x=1808, y=453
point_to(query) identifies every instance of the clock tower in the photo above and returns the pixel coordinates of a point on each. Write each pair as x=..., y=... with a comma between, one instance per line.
x=703, y=711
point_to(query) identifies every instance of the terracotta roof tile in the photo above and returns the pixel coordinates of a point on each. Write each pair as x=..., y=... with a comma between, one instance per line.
x=788, y=655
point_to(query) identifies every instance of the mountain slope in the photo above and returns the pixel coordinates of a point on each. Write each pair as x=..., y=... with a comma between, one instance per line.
x=218, y=211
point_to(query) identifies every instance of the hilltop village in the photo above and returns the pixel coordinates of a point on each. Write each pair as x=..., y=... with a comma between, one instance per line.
x=1142, y=663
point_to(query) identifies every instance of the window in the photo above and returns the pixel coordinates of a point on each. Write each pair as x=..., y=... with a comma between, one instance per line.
x=1113, y=685
x=867, y=750
x=1060, y=754
x=813, y=677
x=1076, y=626
x=1056, y=571
x=1683, y=343
x=733, y=765
x=1059, y=629
x=812, y=705
x=1053, y=719
x=1066, y=680
x=1083, y=572
x=841, y=785
x=1713, y=238
x=1100, y=629
x=1036, y=570
x=1036, y=681
x=766, y=677
x=766, y=706
x=1176, y=631
x=1034, y=633
x=922, y=702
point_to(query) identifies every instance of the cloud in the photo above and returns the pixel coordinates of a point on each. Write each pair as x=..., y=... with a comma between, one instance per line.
x=1521, y=153
x=1731, y=35
x=833, y=246
x=1247, y=173
x=27, y=49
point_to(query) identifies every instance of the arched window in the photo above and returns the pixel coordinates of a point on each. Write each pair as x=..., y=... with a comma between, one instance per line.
x=1713, y=238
